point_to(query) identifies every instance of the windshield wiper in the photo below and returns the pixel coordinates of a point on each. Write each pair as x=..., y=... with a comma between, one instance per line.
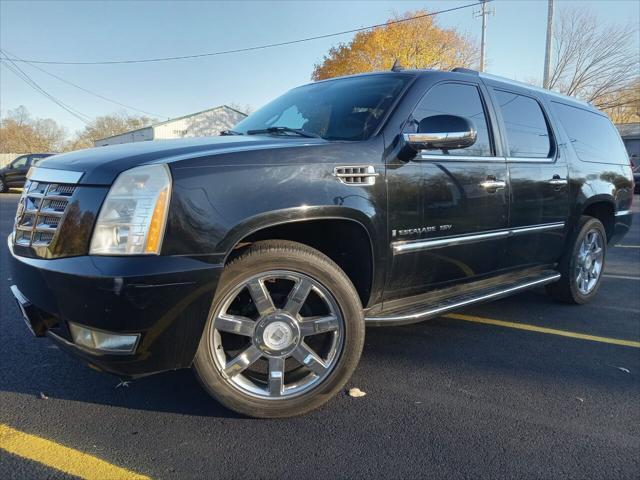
x=225, y=133
x=297, y=131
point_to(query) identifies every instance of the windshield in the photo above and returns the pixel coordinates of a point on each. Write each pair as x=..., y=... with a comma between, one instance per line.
x=344, y=109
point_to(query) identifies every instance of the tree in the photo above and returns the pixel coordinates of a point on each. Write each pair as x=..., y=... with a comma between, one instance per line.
x=107, y=126
x=623, y=106
x=596, y=62
x=418, y=43
x=20, y=133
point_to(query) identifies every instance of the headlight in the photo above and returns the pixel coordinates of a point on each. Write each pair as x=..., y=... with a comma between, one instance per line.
x=133, y=216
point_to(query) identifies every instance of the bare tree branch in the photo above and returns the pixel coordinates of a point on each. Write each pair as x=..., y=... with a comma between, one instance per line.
x=597, y=63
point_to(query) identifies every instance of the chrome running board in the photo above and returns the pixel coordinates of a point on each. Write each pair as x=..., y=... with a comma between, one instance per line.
x=417, y=313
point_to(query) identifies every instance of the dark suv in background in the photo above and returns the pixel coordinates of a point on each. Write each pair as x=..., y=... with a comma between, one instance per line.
x=15, y=174
x=258, y=257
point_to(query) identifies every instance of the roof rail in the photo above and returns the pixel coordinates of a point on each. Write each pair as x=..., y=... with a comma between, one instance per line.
x=465, y=70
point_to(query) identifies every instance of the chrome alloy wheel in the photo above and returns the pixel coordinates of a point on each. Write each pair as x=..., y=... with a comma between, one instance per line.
x=277, y=335
x=589, y=262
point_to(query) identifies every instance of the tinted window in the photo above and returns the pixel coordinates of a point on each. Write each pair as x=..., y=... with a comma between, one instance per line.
x=345, y=109
x=456, y=99
x=593, y=136
x=35, y=160
x=633, y=149
x=19, y=162
x=527, y=132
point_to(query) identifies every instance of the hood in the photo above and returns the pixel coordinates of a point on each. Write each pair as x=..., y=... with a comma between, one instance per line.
x=101, y=165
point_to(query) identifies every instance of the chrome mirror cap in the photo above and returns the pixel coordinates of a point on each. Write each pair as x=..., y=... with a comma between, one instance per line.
x=442, y=132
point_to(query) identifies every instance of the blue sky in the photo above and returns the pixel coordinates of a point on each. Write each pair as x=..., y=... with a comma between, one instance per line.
x=93, y=30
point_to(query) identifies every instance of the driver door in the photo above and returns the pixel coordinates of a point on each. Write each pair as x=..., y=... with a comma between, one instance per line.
x=448, y=210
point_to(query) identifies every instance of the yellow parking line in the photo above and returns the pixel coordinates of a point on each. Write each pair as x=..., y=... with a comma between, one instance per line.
x=535, y=328
x=59, y=457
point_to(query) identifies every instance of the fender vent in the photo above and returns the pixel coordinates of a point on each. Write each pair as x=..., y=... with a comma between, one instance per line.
x=357, y=175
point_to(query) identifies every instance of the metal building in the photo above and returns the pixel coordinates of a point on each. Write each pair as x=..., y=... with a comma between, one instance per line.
x=201, y=124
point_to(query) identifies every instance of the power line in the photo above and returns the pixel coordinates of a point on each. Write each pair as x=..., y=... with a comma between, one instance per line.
x=247, y=49
x=78, y=86
x=29, y=81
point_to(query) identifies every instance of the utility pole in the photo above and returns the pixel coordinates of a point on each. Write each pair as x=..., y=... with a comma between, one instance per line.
x=484, y=12
x=547, y=52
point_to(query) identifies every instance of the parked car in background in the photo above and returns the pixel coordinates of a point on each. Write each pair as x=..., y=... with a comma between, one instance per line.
x=258, y=257
x=15, y=174
x=630, y=133
x=635, y=167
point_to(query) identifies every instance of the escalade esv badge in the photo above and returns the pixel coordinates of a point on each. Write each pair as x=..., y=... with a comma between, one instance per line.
x=258, y=257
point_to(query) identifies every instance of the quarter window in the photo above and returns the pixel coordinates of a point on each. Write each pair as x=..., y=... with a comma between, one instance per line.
x=461, y=100
x=592, y=135
x=528, y=135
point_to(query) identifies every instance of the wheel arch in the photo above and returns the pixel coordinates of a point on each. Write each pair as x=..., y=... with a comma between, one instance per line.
x=603, y=208
x=351, y=243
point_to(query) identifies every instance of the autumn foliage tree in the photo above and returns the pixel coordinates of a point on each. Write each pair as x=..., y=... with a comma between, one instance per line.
x=414, y=39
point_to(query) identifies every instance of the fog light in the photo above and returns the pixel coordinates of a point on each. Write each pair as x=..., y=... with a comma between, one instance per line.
x=101, y=340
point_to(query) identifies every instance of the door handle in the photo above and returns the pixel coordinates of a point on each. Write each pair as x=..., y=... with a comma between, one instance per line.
x=492, y=184
x=556, y=180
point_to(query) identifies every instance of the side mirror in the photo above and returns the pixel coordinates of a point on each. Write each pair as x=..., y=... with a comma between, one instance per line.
x=442, y=132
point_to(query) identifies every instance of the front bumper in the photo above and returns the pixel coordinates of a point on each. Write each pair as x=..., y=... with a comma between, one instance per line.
x=164, y=299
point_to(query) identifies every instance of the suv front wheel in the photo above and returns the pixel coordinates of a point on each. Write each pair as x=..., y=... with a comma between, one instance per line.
x=284, y=334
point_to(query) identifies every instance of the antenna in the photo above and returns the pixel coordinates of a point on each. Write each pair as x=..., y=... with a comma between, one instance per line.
x=397, y=67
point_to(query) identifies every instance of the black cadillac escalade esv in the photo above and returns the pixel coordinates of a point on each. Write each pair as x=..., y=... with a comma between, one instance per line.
x=259, y=257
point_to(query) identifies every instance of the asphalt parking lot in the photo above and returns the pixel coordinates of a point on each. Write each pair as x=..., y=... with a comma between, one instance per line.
x=492, y=392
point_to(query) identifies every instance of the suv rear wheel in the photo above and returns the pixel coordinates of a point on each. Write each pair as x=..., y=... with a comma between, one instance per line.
x=284, y=334
x=3, y=185
x=582, y=264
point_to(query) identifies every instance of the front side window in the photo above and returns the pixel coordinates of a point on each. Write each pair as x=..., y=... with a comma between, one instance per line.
x=526, y=127
x=344, y=109
x=455, y=99
x=19, y=162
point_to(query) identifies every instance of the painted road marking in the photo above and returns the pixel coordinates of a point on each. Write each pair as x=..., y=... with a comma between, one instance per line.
x=535, y=328
x=623, y=277
x=628, y=246
x=59, y=457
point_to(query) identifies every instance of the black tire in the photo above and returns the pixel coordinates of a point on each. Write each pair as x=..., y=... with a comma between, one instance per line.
x=268, y=256
x=566, y=289
x=3, y=186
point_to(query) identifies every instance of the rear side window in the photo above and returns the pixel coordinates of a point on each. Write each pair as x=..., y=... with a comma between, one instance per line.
x=593, y=136
x=527, y=131
x=456, y=99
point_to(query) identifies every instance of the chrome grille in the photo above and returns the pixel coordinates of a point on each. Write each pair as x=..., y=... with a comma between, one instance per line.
x=40, y=211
